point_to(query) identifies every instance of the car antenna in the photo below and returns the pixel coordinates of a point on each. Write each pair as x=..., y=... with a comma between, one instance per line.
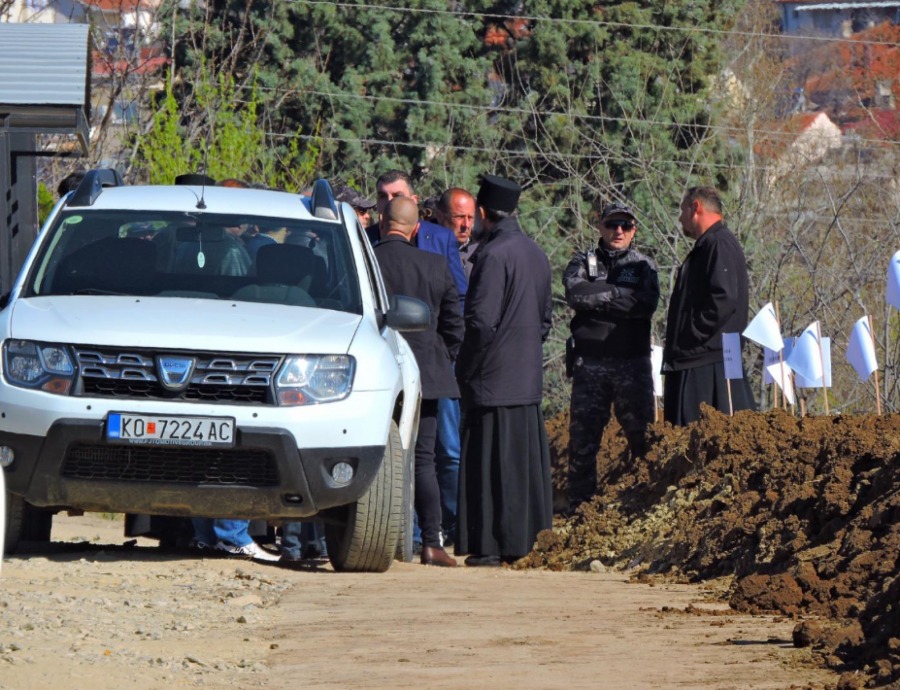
x=196, y=179
x=201, y=204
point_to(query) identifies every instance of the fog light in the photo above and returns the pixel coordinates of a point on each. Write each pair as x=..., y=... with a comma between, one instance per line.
x=342, y=473
x=6, y=456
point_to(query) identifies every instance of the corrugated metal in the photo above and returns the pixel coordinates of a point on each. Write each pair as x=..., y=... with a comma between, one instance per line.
x=847, y=5
x=43, y=64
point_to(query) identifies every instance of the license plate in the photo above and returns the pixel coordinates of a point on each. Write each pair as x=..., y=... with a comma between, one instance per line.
x=164, y=430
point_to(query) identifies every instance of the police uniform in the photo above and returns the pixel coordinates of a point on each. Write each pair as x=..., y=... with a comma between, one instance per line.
x=614, y=294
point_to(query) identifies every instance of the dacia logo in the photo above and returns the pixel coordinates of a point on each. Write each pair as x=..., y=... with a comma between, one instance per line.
x=175, y=372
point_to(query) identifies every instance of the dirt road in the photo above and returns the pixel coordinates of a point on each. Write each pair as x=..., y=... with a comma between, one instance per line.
x=90, y=614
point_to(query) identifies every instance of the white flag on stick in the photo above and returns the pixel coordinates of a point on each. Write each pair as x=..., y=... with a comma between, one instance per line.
x=893, y=281
x=861, y=349
x=776, y=370
x=802, y=382
x=764, y=329
x=731, y=352
x=806, y=356
x=780, y=373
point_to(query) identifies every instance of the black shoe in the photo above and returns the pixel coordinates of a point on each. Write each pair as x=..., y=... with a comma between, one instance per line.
x=484, y=561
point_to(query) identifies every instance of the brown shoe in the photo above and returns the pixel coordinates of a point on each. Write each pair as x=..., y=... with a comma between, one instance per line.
x=435, y=555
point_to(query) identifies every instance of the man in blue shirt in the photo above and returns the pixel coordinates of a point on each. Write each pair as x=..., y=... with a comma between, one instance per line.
x=428, y=236
x=436, y=239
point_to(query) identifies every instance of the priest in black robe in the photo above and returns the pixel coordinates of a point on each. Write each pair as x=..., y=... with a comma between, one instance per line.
x=505, y=495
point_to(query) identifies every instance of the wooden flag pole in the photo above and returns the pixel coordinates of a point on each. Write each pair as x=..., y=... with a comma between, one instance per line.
x=730, y=406
x=780, y=360
x=822, y=363
x=877, y=391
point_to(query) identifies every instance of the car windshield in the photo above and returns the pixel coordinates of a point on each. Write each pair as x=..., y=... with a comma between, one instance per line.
x=213, y=256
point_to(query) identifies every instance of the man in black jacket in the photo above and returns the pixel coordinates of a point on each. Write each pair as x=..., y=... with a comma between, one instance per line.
x=710, y=298
x=504, y=483
x=614, y=291
x=425, y=276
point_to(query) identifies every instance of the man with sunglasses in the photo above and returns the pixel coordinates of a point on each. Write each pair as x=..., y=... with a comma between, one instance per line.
x=614, y=291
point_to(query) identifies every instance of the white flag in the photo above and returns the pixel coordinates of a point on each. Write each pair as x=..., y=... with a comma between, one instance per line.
x=861, y=349
x=656, y=365
x=731, y=352
x=893, y=281
x=806, y=357
x=801, y=382
x=780, y=373
x=764, y=330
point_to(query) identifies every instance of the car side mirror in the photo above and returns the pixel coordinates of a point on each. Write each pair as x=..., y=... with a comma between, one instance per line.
x=407, y=314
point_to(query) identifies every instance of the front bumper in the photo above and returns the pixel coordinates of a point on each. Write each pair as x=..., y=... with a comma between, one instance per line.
x=264, y=476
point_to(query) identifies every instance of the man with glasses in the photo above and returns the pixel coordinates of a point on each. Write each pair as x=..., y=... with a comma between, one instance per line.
x=614, y=291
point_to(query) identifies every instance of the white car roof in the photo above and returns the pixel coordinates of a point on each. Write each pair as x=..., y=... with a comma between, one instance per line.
x=215, y=199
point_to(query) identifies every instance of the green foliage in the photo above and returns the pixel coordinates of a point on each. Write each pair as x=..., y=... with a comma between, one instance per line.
x=589, y=103
x=225, y=139
x=46, y=201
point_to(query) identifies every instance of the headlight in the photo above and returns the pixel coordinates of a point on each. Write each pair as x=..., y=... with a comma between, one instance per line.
x=311, y=379
x=45, y=366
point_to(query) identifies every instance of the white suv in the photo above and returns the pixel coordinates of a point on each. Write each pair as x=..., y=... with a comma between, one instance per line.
x=155, y=360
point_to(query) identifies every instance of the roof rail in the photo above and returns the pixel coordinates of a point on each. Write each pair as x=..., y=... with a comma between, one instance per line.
x=94, y=181
x=322, y=202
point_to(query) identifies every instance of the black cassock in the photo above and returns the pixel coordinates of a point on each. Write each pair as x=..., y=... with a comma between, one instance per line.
x=505, y=495
x=505, y=492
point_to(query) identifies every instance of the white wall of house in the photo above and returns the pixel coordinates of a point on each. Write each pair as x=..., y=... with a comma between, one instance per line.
x=838, y=18
x=809, y=146
x=45, y=12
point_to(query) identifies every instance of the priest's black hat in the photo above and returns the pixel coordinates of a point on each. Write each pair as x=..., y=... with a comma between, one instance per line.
x=498, y=194
x=195, y=179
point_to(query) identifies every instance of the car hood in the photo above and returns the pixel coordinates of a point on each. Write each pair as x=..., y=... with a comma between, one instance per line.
x=183, y=323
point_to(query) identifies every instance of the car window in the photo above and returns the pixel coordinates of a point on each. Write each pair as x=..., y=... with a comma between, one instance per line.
x=212, y=256
x=373, y=275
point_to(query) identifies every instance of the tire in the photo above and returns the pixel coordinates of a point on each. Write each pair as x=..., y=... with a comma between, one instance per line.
x=362, y=537
x=24, y=522
x=405, y=545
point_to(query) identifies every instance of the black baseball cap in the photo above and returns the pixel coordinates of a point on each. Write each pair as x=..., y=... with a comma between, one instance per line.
x=617, y=210
x=354, y=198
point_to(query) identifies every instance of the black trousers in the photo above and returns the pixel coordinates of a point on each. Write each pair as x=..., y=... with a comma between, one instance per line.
x=684, y=391
x=428, y=493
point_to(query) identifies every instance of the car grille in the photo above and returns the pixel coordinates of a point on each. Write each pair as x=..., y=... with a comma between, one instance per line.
x=225, y=467
x=232, y=378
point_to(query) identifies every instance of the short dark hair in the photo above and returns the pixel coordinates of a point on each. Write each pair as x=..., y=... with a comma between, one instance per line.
x=443, y=203
x=69, y=183
x=392, y=176
x=707, y=196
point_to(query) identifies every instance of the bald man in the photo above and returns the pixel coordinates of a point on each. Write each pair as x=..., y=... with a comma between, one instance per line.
x=400, y=217
x=416, y=273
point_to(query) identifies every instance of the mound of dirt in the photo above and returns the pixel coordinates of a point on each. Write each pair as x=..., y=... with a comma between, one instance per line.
x=803, y=513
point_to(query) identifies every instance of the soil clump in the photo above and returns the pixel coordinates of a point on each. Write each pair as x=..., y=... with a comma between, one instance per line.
x=801, y=514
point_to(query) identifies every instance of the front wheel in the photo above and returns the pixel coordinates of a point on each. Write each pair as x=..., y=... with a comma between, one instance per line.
x=363, y=536
x=25, y=522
